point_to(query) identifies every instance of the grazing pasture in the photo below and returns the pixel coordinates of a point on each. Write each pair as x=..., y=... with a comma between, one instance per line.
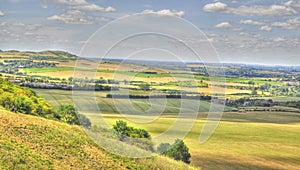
x=243, y=140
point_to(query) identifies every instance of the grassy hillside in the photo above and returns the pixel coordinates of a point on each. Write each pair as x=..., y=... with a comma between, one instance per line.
x=30, y=142
x=60, y=55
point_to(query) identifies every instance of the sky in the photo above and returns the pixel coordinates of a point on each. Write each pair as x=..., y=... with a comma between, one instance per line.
x=237, y=31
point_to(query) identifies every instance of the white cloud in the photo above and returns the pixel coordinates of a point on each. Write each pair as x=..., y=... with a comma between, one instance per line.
x=77, y=17
x=227, y=25
x=165, y=12
x=215, y=7
x=266, y=28
x=93, y=7
x=72, y=17
x=84, y=5
x=110, y=9
x=251, y=22
x=36, y=37
x=70, y=2
x=255, y=48
x=293, y=23
x=1, y=14
x=272, y=11
x=76, y=12
x=257, y=10
x=293, y=4
x=224, y=25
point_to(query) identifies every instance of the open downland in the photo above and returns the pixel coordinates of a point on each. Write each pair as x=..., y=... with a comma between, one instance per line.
x=29, y=142
x=254, y=140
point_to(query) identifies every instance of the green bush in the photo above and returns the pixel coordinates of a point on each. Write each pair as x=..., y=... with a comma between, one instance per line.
x=23, y=105
x=126, y=131
x=133, y=136
x=23, y=100
x=177, y=151
x=68, y=114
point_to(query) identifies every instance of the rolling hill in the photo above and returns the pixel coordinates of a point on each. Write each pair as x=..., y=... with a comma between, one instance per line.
x=30, y=142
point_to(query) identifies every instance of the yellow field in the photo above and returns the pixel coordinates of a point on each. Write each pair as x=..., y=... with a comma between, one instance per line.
x=236, y=145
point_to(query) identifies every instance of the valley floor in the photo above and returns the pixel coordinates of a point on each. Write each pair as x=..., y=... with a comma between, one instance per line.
x=249, y=140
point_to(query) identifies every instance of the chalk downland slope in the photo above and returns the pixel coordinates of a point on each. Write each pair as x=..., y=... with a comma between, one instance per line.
x=30, y=142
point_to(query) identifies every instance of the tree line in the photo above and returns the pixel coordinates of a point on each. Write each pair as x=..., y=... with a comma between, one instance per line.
x=24, y=100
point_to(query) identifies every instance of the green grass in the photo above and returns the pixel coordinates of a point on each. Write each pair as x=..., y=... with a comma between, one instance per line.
x=255, y=80
x=257, y=140
x=254, y=140
x=282, y=98
x=136, y=74
x=29, y=142
x=106, y=105
x=48, y=69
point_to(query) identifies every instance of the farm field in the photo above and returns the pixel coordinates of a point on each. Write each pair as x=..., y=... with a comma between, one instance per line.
x=282, y=99
x=106, y=105
x=247, y=140
x=58, y=67
x=258, y=130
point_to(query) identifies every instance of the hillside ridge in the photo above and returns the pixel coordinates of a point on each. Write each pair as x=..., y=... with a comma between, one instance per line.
x=31, y=142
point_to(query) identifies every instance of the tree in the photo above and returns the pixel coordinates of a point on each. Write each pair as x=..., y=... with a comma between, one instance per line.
x=23, y=105
x=177, y=151
x=133, y=136
x=68, y=114
x=121, y=128
x=126, y=131
x=6, y=100
x=145, y=86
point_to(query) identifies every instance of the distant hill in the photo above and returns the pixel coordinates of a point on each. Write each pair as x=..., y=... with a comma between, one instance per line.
x=42, y=55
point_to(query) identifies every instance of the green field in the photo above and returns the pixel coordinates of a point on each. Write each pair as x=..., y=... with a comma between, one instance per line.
x=106, y=105
x=48, y=69
x=135, y=74
x=282, y=99
x=256, y=81
x=249, y=141
x=254, y=140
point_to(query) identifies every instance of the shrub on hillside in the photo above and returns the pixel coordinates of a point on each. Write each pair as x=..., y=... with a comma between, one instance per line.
x=133, y=136
x=69, y=114
x=23, y=100
x=177, y=151
x=23, y=105
x=127, y=131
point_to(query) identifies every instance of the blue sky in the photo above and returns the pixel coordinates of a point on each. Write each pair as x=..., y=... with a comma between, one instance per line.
x=262, y=32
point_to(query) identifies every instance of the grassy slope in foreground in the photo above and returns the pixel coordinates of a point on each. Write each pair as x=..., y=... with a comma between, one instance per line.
x=29, y=142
